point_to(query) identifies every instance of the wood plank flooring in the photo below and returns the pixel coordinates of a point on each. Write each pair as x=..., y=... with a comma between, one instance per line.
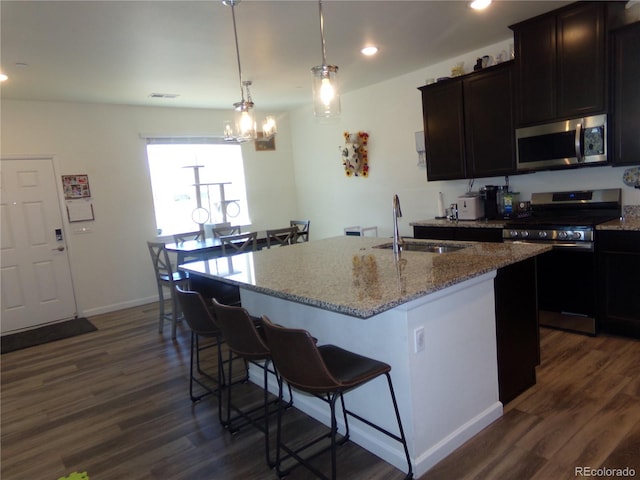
x=115, y=403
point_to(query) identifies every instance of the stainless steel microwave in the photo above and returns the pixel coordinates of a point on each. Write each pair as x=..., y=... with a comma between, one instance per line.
x=562, y=144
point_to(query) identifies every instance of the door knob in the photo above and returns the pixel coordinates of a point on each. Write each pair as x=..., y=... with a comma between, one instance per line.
x=60, y=248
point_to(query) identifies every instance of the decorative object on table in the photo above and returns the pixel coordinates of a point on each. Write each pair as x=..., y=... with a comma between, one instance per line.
x=457, y=70
x=355, y=155
x=421, y=149
x=478, y=65
x=631, y=177
x=326, y=96
x=265, y=143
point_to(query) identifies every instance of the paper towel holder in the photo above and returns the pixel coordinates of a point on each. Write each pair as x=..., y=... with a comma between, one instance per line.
x=420, y=148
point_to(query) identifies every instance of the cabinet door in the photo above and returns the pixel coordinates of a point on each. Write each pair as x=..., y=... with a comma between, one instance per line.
x=581, y=60
x=489, y=131
x=619, y=264
x=444, y=123
x=626, y=96
x=535, y=70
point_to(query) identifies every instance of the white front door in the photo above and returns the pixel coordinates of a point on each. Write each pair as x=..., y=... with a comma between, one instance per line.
x=35, y=276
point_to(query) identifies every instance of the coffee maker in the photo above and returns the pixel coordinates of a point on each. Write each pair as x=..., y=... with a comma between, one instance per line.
x=489, y=195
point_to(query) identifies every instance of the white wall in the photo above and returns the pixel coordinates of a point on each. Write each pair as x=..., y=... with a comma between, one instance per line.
x=110, y=265
x=391, y=112
x=303, y=178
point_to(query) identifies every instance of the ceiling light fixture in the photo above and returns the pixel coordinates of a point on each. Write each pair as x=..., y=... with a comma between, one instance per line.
x=3, y=77
x=244, y=127
x=369, y=51
x=480, y=4
x=326, y=97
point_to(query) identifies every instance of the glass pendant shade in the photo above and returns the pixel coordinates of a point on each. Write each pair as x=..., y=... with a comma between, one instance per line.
x=326, y=96
x=245, y=122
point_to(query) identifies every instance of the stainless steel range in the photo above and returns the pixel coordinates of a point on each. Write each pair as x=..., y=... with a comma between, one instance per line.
x=567, y=283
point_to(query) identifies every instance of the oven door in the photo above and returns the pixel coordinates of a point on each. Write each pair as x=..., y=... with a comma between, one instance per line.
x=566, y=279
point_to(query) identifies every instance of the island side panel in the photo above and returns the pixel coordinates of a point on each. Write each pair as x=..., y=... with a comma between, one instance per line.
x=446, y=393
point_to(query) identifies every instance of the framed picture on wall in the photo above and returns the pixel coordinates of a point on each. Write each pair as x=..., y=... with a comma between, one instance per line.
x=265, y=144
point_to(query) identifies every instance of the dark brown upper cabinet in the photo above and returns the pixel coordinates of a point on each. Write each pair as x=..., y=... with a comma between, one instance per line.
x=560, y=64
x=626, y=95
x=468, y=125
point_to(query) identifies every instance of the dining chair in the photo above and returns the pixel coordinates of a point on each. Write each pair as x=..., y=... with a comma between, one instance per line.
x=245, y=338
x=166, y=277
x=224, y=229
x=282, y=236
x=303, y=229
x=328, y=372
x=240, y=243
x=185, y=237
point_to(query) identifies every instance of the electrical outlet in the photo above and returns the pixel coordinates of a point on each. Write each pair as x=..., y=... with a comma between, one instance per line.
x=418, y=340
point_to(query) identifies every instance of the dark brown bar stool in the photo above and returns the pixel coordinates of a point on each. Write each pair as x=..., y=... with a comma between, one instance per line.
x=326, y=371
x=245, y=339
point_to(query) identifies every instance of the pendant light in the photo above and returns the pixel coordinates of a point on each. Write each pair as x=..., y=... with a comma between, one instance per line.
x=244, y=127
x=326, y=97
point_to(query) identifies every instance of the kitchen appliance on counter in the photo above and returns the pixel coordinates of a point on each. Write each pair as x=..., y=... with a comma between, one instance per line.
x=562, y=144
x=470, y=207
x=489, y=196
x=566, y=276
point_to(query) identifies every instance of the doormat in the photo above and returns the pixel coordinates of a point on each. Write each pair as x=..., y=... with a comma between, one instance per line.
x=46, y=334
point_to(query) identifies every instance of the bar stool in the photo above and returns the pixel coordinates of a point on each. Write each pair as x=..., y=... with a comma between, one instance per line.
x=201, y=322
x=245, y=339
x=328, y=372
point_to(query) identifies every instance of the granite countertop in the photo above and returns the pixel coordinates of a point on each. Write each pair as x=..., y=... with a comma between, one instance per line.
x=346, y=275
x=443, y=222
x=630, y=220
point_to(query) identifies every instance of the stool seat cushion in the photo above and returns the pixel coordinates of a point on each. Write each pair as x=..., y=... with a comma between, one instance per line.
x=351, y=369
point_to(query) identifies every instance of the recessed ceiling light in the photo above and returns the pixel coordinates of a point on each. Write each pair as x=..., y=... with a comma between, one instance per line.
x=480, y=4
x=3, y=77
x=368, y=51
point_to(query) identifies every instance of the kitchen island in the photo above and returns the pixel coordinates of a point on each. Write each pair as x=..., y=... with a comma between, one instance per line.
x=431, y=316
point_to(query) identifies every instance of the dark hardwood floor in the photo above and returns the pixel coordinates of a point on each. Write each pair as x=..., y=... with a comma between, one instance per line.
x=115, y=403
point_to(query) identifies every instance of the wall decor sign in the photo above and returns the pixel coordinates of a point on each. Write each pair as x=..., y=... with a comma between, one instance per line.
x=77, y=196
x=265, y=144
x=355, y=154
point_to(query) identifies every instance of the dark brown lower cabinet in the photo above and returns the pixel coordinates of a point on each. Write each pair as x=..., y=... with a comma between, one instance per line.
x=619, y=282
x=517, y=332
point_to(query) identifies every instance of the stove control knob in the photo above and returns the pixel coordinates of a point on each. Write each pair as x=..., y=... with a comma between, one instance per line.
x=576, y=235
x=513, y=234
x=563, y=235
x=524, y=234
x=542, y=234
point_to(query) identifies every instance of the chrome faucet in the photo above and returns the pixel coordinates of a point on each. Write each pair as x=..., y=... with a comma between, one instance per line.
x=397, y=213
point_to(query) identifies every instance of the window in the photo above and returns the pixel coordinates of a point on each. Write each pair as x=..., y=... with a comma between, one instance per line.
x=177, y=168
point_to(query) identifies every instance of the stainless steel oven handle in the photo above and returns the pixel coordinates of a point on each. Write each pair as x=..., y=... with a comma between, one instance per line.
x=578, y=246
x=578, y=143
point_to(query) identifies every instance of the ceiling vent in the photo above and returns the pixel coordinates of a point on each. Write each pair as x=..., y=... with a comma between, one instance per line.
x=164, y=95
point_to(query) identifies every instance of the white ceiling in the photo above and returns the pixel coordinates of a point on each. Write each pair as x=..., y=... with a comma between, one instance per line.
x=122, y=51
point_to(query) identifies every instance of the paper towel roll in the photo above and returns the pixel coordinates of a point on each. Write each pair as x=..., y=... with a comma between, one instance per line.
x=440, y=205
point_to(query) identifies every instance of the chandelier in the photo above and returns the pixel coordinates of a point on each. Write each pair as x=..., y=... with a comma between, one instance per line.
x=243, y=129
x=326, y=97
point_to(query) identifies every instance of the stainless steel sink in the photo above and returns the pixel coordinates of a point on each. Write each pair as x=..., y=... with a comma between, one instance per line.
x=424, y=247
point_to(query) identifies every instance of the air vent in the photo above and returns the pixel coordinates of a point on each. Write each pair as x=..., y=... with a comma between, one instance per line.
x=164, y=95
